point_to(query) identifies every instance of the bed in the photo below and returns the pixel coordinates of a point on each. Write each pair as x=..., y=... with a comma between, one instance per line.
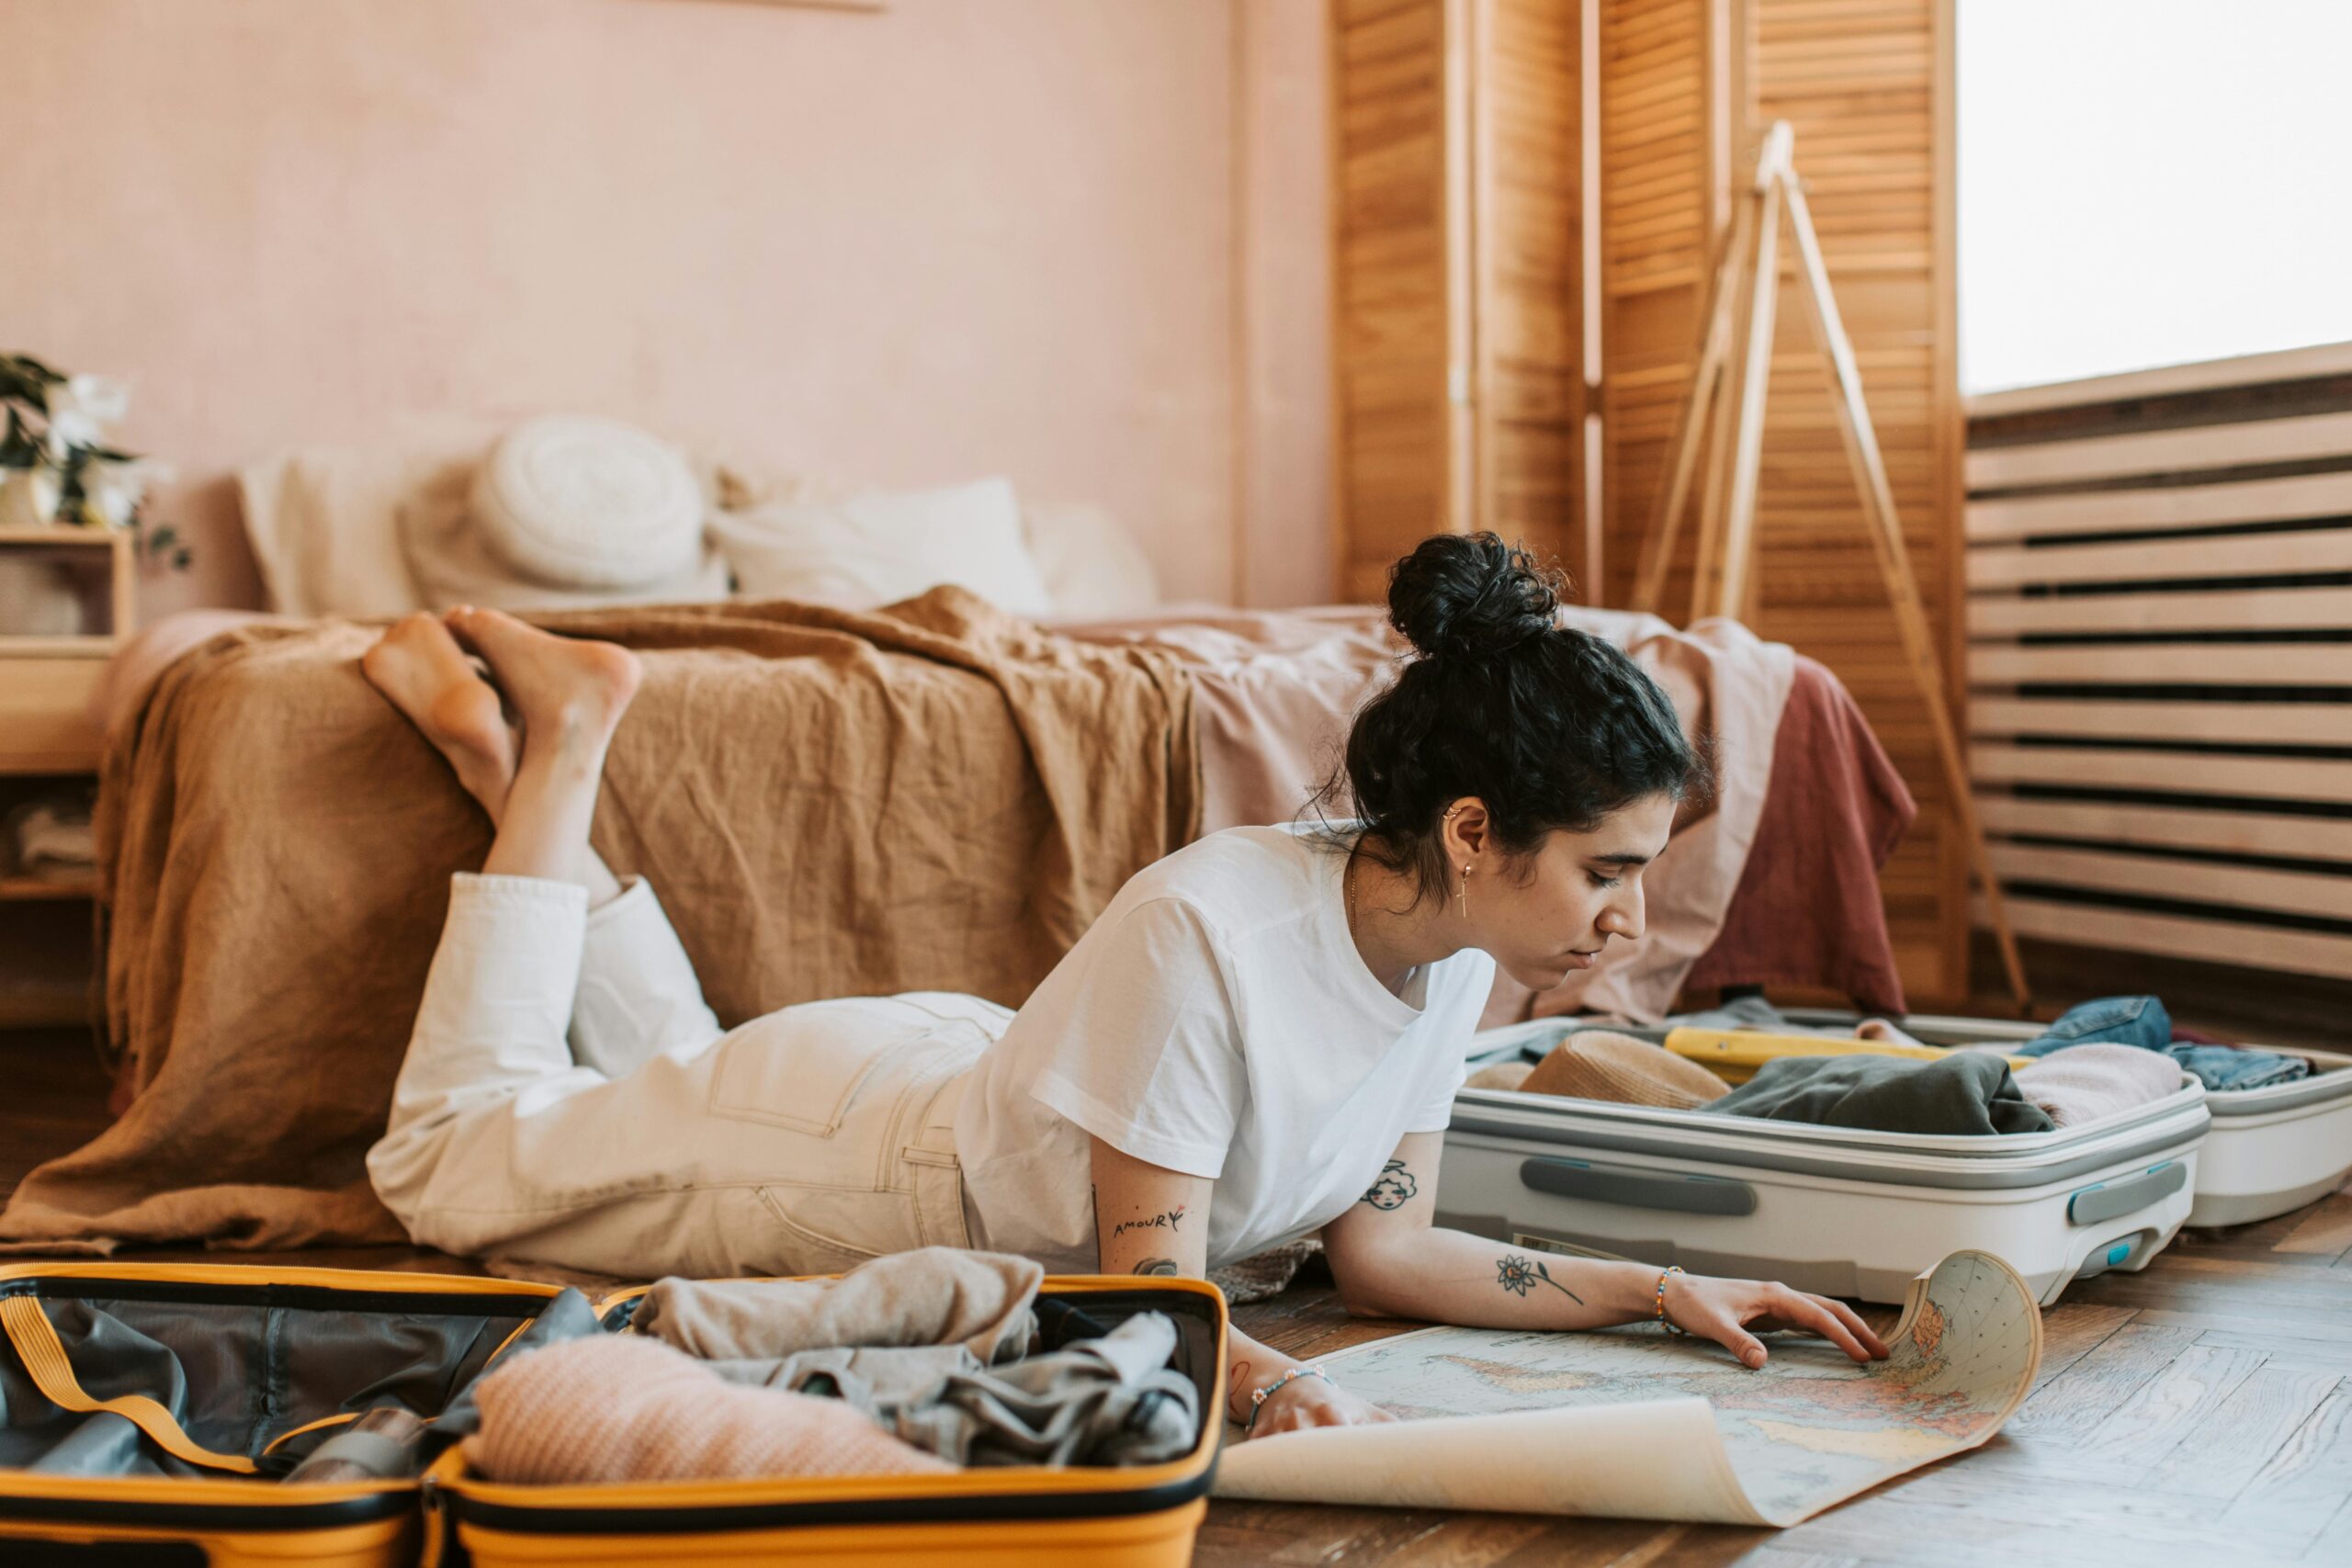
x=930, y=795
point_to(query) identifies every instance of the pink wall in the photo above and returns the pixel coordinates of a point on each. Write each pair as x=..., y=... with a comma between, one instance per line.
x=1078, y=242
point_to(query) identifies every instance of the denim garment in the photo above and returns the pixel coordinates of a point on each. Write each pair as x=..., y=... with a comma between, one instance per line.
x=2109, y=1021
x=2143, y=1021
x=2220, y=1067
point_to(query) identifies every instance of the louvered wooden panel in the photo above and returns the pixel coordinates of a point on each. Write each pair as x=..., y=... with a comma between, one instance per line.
x=1390, y=245
x=1529, y=388
x=1657, y=191
x=1685, y=87
x=2162, y=662
x=1866, y=85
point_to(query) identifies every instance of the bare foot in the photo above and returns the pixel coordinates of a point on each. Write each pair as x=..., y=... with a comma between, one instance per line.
x=419, y=667
x=566, y=689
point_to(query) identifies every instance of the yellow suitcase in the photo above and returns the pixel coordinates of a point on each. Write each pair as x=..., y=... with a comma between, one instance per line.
x=223, y=1375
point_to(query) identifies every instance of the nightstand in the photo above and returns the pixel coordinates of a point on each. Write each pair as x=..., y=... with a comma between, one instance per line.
x=72, y=593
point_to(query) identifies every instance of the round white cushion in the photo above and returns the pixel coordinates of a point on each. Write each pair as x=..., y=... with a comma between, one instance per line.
x=580, y=503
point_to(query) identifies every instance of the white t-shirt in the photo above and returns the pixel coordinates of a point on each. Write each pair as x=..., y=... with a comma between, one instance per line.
x=1215, y=1019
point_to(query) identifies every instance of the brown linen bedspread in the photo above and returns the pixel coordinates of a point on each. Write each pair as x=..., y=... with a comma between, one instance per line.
x=930, y=797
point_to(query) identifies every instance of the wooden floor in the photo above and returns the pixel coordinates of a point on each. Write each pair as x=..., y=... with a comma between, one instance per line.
x=2198, y=1413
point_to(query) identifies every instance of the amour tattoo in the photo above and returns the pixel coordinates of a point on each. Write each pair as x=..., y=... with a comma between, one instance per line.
x=1166, y=1222
x=1521, y=1275
x=1394, y=1188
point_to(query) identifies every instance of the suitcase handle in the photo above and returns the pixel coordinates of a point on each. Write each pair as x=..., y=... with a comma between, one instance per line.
x=2111, y=1200
x=1636, y=1189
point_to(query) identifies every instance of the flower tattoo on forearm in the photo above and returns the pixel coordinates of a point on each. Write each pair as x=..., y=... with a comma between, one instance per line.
x=1394, y=1188
x=1521, y=1275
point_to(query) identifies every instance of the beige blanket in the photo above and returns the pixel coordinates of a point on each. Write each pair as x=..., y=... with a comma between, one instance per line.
x=935, y=796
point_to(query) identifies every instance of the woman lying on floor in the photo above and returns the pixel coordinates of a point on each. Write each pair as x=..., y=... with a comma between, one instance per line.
x=1259, y=1039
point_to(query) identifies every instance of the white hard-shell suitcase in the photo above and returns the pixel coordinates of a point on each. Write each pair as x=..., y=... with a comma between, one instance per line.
x=2270, y=1151
x=1839, y=1211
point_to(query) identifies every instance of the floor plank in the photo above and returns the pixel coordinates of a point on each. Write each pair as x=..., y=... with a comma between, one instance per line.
x=2071, y=1405
x=2325, y=1229
x=2308, y=1480
x=2243, y=1432
x=2163, y=1413
x=2072, y=1330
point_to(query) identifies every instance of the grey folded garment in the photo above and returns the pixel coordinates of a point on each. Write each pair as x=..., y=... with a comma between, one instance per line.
x=1965, y=1092
x=932, y=1296
x=1109, y=1401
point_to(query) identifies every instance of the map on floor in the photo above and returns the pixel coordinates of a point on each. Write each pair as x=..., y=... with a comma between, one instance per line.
x=1634, y=1423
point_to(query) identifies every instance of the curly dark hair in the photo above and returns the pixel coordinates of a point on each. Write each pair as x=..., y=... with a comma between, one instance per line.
x=1552, y=727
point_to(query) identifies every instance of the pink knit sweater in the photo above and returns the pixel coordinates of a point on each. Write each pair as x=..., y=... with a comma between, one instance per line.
x=615, y=1407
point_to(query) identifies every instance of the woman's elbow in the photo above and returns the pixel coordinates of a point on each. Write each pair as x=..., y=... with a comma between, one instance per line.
x=1364, y=1286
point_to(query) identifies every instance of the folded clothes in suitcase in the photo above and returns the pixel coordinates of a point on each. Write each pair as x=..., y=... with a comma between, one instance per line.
x=1840, y=1210
x=150, y=1413
x=2270, y=1151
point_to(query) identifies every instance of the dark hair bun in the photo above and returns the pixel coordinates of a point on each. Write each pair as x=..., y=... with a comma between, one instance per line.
x=1470, y=595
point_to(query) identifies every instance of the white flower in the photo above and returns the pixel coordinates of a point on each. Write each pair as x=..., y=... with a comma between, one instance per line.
x=111, y=496
x=80, y=408
x=103, y=399
x=70, y=428
x=115, y=489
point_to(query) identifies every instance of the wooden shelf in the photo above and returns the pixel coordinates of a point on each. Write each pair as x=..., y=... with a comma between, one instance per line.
x=47, y=889
x=46, y=966
x=109, y=593
x=47, y=718
x=57, y=646
x=93, y=539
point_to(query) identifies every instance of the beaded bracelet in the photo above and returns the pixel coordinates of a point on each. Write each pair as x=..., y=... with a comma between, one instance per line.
x=1672, y=1326
x=1257, y=1397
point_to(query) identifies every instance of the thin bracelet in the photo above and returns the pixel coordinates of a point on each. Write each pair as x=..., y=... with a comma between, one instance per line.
x=1257, y=1397
x=1672, y=1326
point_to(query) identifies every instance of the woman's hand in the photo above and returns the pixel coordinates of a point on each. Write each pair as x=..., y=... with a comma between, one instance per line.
x=1314, y=1402
x=1724, y=1310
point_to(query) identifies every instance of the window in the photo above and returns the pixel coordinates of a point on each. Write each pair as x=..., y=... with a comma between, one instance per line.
x=2150, y=182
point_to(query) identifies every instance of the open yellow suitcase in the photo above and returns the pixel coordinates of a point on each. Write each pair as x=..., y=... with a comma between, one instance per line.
x=223, y=1376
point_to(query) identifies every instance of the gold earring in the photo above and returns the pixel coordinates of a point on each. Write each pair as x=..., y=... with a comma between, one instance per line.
x=1465, y=892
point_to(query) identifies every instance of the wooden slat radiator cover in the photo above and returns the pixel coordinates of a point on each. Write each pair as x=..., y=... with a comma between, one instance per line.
x=2159, y=569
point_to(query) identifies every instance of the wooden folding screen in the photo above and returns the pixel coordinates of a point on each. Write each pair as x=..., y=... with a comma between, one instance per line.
x=1687, y=87
x=1459, y=335
x=1459, y=389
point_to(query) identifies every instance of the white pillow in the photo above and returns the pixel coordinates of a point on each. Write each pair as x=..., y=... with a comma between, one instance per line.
x=452, y=562
x=863, y=551
x=1090, y=566
x=571, y=501
x=322, y=520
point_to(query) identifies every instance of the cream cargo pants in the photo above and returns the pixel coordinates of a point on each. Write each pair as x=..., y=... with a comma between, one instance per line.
x=569, y=1099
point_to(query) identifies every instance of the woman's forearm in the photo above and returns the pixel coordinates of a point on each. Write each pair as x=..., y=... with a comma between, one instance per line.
x=1448, y=1276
